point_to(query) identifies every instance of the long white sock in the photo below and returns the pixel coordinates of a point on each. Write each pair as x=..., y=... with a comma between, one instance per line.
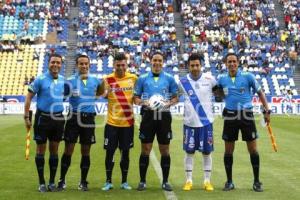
x=188, y=163
x=207, y=166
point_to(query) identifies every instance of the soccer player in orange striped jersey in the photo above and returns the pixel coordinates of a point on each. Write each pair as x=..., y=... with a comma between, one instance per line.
x=119, y=128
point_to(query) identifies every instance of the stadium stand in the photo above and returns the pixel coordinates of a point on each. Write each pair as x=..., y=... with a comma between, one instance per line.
x=136, y=28
x=23, y=52
x=249, y=28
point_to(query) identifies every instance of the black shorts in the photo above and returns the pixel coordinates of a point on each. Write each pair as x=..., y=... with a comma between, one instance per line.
x=121, y=137
x=48, y=126
x=80, y=125
x=156, y=123
x=239, y=120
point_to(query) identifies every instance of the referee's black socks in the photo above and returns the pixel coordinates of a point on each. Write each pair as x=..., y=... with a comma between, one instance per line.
x=165, y=163
x=65, y=164
x=143, y=164
x=254, y=157
x=84, y=166
x=40, y=162
x=228, y=160
x=53, y=162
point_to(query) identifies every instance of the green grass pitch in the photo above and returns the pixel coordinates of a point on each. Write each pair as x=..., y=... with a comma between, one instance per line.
x=280, y=172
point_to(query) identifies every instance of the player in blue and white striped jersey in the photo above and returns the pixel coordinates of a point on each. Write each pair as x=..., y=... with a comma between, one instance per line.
x=198, y=118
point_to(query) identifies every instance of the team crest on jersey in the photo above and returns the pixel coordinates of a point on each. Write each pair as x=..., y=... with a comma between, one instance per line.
x=242, y=90
x=191, y=92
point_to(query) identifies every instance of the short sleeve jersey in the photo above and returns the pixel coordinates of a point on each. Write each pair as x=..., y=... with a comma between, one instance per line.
x=49, y=91
x=120, y=99
x=148, y=85
x=239, y=90
x=201, y=89
x=82, y=93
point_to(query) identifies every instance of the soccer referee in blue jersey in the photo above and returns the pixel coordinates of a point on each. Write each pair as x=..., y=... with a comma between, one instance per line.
x=49, y=121
x=155, y=122
x=238, y=87
x=83, y=90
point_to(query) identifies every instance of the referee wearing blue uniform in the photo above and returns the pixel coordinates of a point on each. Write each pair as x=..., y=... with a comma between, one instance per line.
x=83, y=90
x=238, y=88
x=49, y=121
x=155, y=122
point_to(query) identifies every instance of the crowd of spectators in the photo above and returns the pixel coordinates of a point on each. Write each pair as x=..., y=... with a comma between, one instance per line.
x=135, y=27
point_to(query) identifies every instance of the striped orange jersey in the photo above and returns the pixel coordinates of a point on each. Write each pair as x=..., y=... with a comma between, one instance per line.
x=120, y=99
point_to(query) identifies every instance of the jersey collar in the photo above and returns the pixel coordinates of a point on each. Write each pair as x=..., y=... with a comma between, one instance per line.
x=238, y=73
x=190, y=77
x=79, y=76
x=160, y=74
x=49, y=75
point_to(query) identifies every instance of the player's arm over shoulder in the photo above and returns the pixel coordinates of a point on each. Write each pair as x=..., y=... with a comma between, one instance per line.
x=102, y=89
x=217, y=88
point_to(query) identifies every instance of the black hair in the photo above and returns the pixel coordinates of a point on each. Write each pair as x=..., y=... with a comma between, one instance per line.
x=156, y=53
x=120, y=56
x=56, y=55
x=81, y=56
x=231, y=54
x=196, y=56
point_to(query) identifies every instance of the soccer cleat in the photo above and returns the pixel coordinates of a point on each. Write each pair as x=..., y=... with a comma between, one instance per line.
x=141, y=186
x=42, y=188
x=228, y=186
x=52, y=187
x=83, y=186
x=187, y=186
x=257, y=187
x=166, y=186
x=125, y=186
x=107, y=186
x=207, y=186
x=61, y=185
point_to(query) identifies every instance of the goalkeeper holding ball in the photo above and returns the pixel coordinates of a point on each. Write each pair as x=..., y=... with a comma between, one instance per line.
x=156, y=116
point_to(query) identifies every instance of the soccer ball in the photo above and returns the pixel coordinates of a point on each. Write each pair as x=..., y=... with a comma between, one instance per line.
x=157, y=102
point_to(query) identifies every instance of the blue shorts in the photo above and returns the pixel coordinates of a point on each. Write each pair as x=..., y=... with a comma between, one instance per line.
x=199, y=138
